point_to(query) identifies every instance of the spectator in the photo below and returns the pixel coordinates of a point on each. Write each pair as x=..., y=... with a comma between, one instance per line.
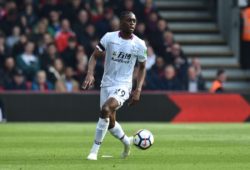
x=41, y=83
x=47, y=39
x=179, y=61
x=195, y=82
x=168, y=37
x=245, y=38
x=90, y=31
x=152, y=23
x=149, y=7
x=30, y=15
x=69, y=54
x=7, y=72
x=197, y=65
x=69, y=84
x=50, y=5
x=103, y=25
x=48, y=58
x=157, y=37
x=115, y=24
x=71, y=9
x=97, y=11
x=177, y=56
x=81, y=56
x=153, y=76
x=170, y=80
x=134, y=6
x=28, y=61
x=14, y=37
x=18, y=82
x=40, y=29
x=63, y=35
x=218, y=84
x=9, y=16
x=56, y=71
x=23, y=23
x=159, y=66
x=140, y=30
x=81, y=67
x=18, y=48
x=80, y=24
x=128, y=5
x=81, y=72
x=54, y=19
x=162, y=26
x=90, y=35
x=3, y=50
x=48, y=22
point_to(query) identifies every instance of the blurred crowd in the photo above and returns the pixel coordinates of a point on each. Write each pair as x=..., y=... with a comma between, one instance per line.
x=45, y=45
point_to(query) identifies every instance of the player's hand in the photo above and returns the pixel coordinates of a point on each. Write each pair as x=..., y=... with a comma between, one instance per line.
x=88, y=82
x=135, y=97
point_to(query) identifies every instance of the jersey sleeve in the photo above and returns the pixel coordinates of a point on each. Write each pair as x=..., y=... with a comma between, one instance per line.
x=102, y=45
x=142, y=52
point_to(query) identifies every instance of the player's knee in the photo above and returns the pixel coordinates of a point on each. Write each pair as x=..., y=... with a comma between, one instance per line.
x=106, y=111
x=111, y=124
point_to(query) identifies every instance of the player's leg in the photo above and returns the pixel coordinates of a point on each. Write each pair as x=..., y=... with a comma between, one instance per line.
x=121, y=94
x=116, y=130
x=102, y=126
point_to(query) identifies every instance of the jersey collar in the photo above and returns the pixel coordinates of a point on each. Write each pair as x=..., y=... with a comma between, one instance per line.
x=130, y=38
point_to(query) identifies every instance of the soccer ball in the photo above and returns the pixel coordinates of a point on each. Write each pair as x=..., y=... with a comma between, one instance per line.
x=143, y=139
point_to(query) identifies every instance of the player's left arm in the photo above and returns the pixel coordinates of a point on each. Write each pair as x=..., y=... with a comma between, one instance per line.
x=135, y=97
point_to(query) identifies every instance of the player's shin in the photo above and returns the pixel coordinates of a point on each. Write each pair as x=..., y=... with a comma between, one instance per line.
x=118, y=132
x=101, y=130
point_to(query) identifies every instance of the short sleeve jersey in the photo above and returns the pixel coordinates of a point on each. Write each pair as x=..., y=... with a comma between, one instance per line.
x=120, y=59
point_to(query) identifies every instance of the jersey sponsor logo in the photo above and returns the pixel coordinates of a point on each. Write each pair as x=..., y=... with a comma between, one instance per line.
x=121, y=57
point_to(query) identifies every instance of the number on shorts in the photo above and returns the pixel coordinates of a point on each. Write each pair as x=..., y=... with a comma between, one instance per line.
x=120, y=92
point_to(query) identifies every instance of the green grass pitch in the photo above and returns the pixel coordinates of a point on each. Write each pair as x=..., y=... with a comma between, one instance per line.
x=177, y=146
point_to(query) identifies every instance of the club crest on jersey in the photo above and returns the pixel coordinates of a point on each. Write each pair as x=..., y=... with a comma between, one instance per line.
x=121, y=57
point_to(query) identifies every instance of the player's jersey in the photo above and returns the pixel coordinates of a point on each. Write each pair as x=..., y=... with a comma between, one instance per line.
x=120, y=59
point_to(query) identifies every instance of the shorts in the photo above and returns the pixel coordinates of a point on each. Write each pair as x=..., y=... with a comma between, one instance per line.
x=120, y=93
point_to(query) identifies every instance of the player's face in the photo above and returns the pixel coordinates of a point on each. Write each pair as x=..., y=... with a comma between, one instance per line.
x=129, y=23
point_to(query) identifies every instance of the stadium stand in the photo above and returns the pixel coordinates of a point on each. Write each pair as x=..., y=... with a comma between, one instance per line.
x=57, y=37
x=210, y=31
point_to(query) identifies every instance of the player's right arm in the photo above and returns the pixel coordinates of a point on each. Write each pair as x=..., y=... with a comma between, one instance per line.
x=98, y=52
x=90, y=79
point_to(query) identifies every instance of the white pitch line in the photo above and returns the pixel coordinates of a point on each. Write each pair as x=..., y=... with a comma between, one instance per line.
x=107, y=156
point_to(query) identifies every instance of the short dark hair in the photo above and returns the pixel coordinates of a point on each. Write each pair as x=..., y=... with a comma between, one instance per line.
x=124, y=14
x=18, y=72
x=220, y=72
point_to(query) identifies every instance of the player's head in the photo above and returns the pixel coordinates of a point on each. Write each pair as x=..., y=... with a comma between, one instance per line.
x=127, y=22
x=221, y=75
